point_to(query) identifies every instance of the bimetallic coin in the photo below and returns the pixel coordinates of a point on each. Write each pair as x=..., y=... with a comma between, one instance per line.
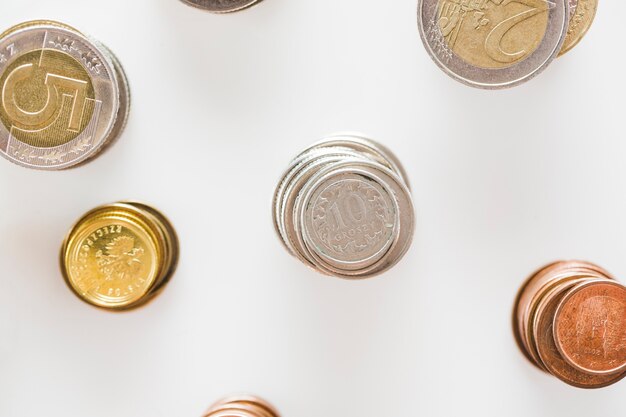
x=573, y=4
x=119, y=256
x=64, y=97
x=221, y=6
x=590, y=328
x=580, y=23
x=493, y=43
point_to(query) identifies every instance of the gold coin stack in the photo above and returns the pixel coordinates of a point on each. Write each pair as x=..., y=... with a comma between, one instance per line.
x=570, y=321
x=119, y=256
x=242, y=406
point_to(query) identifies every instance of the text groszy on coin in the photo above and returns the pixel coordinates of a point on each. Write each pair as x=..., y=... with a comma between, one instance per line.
x=343, y=207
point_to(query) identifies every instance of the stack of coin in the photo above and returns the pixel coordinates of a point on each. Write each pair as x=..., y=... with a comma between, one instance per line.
x=119, y=256
x=343, y=207
x=64, y=96
x=242, y=406
x=498, y=43
x=221, y=6
x=582, y=14
x=570, y=321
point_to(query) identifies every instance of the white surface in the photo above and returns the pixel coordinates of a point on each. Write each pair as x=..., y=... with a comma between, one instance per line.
x=503, y=183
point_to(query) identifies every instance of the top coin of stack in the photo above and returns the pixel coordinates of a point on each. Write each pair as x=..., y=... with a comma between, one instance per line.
x=119, y=256
x=501, y=43
x=343, y=207
x=242, y=406
x=64, y=96
x=221, y=6
x=571, y=322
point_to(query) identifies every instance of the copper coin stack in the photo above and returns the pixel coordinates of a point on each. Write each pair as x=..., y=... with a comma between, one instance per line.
x=119, y=256
x=570, y=321
x=242, y=406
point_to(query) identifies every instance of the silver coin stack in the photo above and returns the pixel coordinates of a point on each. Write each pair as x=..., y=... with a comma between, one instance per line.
x=344, y=208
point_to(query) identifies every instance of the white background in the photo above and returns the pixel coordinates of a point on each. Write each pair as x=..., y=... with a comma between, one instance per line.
x=503, y=182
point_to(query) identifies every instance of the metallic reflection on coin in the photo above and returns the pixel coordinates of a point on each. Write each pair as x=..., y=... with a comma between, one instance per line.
x=590, y=327
x=221, y=6
x=570, y=320
x=119, y=256
x=242, y=406
x=581, y=20
x=343, y=208
x=493, y=43
x=64, y=96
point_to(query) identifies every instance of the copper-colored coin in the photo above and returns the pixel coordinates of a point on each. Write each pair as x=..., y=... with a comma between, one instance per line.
x=237, y=409
x=590, y=327
x=534, y=289
x=546, y=347
x=242, y=406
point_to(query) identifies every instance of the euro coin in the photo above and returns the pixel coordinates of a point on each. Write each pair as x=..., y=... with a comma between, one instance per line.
x=590, y=327
x=582, y=18
x=570, y=321
x=493, y=43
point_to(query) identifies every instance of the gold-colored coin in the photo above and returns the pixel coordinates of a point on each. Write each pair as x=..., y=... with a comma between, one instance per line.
x=119, y=256
x=58, y=123
x=493, y=34
x=64, y=97
x=579, y=24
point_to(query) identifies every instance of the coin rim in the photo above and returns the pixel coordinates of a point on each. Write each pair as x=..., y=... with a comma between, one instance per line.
x=248, y=5
x=559, y=343
x=116, y=85
x=513, y=75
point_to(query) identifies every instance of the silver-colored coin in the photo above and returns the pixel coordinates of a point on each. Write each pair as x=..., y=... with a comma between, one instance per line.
x=349, y=220
x=493, y=43
x=301, y=169
x=366, y=146
x=295, y=166
x=399, y=226
x=343, y=208
x=221, y=6
x=284, y=192
x=64, y=96
x=289, y=221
